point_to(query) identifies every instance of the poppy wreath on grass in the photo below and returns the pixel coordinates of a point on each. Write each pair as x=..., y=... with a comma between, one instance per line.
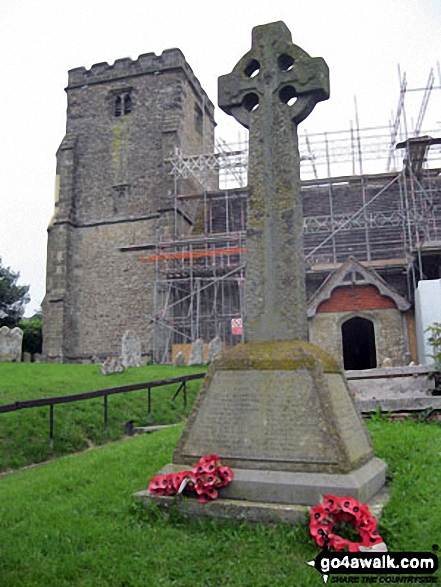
x=204, y=480
x=332, y=510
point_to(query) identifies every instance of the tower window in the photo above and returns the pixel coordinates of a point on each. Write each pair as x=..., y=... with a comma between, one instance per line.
x=127, y=104
x=122, y=104
x=198, y=119
x=118, y=106
x=120, y=194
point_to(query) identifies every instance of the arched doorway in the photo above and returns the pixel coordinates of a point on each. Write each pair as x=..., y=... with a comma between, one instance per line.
x=358, y=337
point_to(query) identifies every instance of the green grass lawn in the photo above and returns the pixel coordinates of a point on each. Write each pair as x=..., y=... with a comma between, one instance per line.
x=72, y=522
x=24, y=434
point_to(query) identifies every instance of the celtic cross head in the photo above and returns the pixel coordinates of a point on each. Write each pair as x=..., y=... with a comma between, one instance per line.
x=274, y=71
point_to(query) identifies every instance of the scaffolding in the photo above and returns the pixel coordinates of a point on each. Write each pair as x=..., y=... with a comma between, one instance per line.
x=357, y=202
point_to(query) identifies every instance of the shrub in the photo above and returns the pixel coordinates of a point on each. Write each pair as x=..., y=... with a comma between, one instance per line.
x=32, y=335
x=435, y=342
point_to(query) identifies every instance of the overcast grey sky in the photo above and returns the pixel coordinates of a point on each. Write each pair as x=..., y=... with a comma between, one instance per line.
x=40, y=40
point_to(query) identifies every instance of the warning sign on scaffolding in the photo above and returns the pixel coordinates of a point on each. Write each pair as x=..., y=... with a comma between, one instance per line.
x=236, y=326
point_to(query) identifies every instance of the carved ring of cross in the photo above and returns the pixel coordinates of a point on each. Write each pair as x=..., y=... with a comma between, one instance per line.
x=275, y=71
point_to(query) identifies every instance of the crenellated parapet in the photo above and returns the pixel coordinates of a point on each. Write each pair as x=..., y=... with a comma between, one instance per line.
x=146, y=64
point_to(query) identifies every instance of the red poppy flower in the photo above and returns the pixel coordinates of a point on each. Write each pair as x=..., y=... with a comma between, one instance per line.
x=210, y=479
x=208, y=494
x=170, y=485
x=158, y=484
x=319, y=513
x=347, y=504
x=198, y=481
x=319, y=535
x=330, y=501
x=209, y=467
x=212, y=492
x=197, y=468
x=207, y=464
x=225, y=475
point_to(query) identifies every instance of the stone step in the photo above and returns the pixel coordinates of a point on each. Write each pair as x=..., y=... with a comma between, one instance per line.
x=149, y=429
x=248, y=511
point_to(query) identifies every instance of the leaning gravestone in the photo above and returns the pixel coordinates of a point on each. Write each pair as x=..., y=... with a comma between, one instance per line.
x=131, y=349
x=278, y=409
x=11, y=342
x=214, y=349
x=196, y=352
x=179, y=359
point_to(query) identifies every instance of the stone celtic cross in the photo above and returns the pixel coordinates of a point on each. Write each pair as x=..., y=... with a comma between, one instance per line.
x=270, y=91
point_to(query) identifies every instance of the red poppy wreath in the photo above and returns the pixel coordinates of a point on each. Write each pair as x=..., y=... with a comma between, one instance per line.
x=332, y=510
x=203, y=481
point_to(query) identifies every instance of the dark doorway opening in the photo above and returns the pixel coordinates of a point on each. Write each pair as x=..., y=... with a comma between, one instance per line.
x=358, y=338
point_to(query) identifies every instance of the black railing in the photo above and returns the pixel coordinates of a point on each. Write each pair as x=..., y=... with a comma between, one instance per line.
x=104, y=393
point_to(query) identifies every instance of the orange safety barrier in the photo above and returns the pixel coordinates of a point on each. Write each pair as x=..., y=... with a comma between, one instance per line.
x=195, y=254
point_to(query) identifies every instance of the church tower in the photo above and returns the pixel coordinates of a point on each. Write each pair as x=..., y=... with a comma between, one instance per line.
x=114, y=191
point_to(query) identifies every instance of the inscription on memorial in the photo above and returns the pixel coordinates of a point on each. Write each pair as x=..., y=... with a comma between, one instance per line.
x=262, y=416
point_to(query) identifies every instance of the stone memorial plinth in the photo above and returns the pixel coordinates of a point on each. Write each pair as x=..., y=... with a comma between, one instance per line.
x=281, y=415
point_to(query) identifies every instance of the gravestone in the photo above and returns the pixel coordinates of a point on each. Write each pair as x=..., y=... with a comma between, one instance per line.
x=11, y=342
x=214, y=348
x=196, y=352
x=276, y=408
x=112, y=365
x=38, y=358
x=179, y=359
x=26, y=357
x=131, y=349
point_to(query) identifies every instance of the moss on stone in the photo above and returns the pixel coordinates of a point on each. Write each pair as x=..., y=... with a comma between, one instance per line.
x=120, y=144
x=277, y=355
